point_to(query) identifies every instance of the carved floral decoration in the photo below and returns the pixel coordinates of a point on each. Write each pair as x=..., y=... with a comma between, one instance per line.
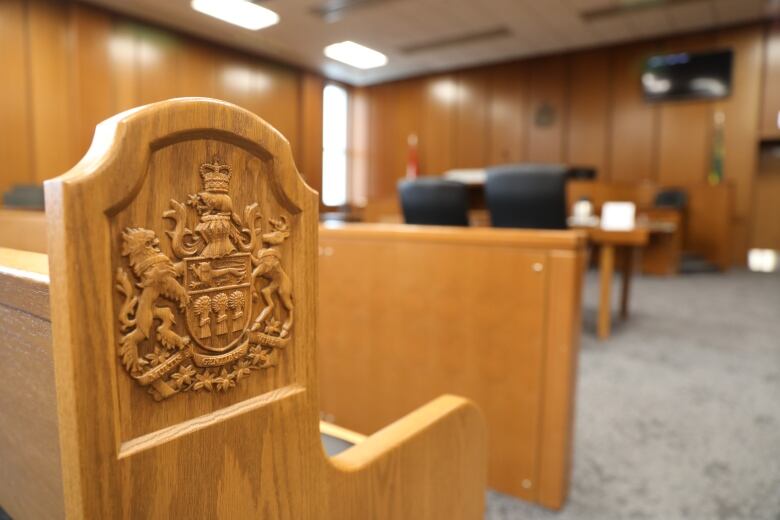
x=226, y=285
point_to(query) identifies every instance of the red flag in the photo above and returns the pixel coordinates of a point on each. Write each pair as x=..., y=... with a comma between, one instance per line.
x=412, y=162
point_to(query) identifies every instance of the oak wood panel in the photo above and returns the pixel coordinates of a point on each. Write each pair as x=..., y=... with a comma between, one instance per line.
x=23, y=230
x=15, y=107
x=709, y=230
x=197, y=70
x=159, y=64
x=91, y=75
x=547, y=88
x=765, y=232
x=664, y=251
x=633, y=122
x=560, y=375
x=310, y=130
x=472, y=129
x=437, y=131
x=770, y=106
x=29, y=443
x=220, y=464
x=588, y=114
x=74, y=65
x=685, y=127
x=50, y=88
x=741, y=110
x=358, y=145
x=685, y=142
x=124, y=48
x=387, y=343
x=275, y=93
x=508, y=112
x=384, y=163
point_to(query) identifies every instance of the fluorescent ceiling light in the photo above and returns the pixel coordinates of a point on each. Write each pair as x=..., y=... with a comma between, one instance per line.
x=238, y=12
x=355, y=55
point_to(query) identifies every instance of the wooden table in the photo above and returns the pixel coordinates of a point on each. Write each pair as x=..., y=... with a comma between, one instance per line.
x=620, y=245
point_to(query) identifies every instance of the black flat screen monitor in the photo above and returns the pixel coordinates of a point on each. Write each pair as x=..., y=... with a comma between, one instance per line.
x=705, y=75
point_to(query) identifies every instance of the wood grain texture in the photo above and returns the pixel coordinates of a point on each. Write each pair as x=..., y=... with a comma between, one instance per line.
x=508, y=112
x=15, y=104
x=29, y=441
x=685, y=127
x=710, y=223
x=310, y=131
x=606, y=272
x=50, y=88
x=470, y=313
x=742, y=112
x=766, y=230
x=23, y=230
x=471, y=127
x=547, y=90
x=254, y=450
x=588, y=113
x=74, y=65
x=90, y=73
x=437, y=132
x=770, y=106
x=633, y=122
x=603, y=118
x=560, y=375
x=663, y=253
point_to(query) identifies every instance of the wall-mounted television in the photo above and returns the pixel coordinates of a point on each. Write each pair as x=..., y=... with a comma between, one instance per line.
x=704, y=75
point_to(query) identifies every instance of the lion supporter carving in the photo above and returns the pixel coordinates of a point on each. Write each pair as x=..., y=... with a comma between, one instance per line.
x=220, y=309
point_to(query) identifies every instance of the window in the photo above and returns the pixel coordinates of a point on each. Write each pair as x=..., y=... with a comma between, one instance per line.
x=334, y=145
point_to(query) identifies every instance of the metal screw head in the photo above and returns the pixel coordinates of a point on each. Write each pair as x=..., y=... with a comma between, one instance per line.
x=538, y=267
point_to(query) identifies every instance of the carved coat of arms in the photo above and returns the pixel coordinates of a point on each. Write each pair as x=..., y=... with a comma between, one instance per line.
x=219, y=310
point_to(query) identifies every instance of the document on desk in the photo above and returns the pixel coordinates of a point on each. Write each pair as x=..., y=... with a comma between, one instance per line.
x=618, y=216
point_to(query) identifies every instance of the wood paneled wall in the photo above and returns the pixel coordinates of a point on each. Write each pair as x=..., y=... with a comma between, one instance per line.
x=68, y=66
x=490, y=115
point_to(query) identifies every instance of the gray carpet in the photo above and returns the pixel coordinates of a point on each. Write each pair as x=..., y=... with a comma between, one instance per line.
x=678, y=414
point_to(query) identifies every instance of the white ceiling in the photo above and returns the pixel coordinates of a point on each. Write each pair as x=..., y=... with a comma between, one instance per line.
x=535, y=27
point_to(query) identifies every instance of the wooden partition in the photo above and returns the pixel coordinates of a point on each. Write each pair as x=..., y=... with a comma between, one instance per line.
x=407, y=312
x=123, y=395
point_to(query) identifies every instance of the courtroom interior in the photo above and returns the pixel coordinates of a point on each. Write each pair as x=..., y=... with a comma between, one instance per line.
x=398, y=259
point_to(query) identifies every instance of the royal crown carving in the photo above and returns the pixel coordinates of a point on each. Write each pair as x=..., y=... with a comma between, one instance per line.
x=219, y=310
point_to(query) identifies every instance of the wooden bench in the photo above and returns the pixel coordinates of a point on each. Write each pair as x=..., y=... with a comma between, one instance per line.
x=408, y=312
x=160, y=362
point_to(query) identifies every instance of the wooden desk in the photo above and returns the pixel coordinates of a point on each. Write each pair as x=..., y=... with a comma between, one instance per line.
x=621, y=245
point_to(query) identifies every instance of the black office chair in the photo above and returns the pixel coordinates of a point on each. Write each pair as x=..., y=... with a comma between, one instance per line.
x=671, y=198
x=527, y=195
x=434, y=201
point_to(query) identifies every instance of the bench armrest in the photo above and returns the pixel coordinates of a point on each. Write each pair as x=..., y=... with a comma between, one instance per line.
x=429, y=464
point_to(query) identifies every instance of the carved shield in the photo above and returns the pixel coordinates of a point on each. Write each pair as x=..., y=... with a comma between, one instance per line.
x=220, y=300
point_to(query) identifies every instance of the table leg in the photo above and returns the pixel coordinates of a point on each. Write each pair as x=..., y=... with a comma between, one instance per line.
x=606, y=270
x=628, y=271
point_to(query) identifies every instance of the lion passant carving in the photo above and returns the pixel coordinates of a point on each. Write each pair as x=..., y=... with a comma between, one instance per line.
x=220, y=309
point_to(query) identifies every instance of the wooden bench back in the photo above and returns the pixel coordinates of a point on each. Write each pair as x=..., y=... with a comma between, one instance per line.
x=182, y=252
x=182, y=267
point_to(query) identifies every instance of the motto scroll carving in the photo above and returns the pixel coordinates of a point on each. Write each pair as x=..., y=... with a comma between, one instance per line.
x=226, y=285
